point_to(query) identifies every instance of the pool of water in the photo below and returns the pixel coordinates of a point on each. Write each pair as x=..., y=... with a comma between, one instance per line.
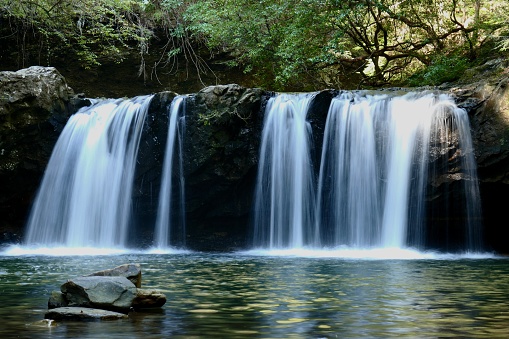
x=241, y=295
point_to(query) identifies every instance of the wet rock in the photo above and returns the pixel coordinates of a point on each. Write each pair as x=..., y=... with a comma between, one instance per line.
x=108, y=290
x=147, y=180
x=56, y=300
x=222, y=137
x=148, y=298
x=82, y=313
x=129, y=271
x=108, y=293
x=484, y=93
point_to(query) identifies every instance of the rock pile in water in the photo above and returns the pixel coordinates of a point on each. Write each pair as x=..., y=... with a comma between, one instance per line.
x=103, y=295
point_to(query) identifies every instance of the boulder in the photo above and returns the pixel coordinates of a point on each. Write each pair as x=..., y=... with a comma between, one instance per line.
x=108, y=293
x=148, y=298
x=111, y=290
x=82, y=313
x=129, y=271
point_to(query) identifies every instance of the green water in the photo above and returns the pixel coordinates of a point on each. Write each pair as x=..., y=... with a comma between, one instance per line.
x=240, y=296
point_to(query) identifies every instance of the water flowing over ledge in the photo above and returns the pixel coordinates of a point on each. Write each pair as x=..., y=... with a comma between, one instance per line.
x=365, y=185
x=85, y=195
x=376, y=157
x=167, y=208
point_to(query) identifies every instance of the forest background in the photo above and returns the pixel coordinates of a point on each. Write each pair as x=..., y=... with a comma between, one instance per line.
x=280, y=45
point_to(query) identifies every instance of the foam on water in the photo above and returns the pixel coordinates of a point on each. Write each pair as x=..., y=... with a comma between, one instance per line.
x=166, y=250
x=385, y=253
x=18, y=251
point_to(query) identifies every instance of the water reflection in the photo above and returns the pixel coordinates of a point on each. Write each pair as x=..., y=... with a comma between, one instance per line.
x=246, y=296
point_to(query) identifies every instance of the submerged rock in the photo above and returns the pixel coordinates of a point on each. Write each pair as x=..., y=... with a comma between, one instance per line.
x=44, y=323
x=82, y=313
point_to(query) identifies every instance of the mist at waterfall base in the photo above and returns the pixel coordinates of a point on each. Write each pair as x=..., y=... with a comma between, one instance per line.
x=366, y=197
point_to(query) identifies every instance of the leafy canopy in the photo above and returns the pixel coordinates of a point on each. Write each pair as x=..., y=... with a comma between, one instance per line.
x=282, y=44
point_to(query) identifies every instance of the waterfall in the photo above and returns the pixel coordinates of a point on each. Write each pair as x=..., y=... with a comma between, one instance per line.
x=348, y=203
x=409, y=125
x=284, y=198
x=379, y=156
x=166, y=228
x=85, y=196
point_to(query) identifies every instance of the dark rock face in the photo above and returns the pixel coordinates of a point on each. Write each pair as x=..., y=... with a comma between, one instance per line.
x=34, y=106
x=223, y=124
x=317, y=117
x=149, y=168
x=487, y=102
x=220, y=154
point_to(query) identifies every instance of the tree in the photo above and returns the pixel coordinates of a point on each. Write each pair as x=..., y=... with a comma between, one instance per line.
x=272, y=40
x=283, y=44
x=91, y=30
x=376, y=41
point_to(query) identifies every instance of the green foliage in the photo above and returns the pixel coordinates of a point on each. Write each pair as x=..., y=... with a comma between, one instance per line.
x=498, y=21
x=283, y=44
x=442, y=69
x=325, y=42
x=274, y=41
x=91, y=30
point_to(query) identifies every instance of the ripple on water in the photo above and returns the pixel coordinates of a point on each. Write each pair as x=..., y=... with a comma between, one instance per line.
x=240, y=295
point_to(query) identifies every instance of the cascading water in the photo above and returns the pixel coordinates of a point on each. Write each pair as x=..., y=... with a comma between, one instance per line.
x=166, y=228
x=85, y=196
x=374, y=173
x=382, y=157
x=284, y=200
x=348, y=189
x=409, y=125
